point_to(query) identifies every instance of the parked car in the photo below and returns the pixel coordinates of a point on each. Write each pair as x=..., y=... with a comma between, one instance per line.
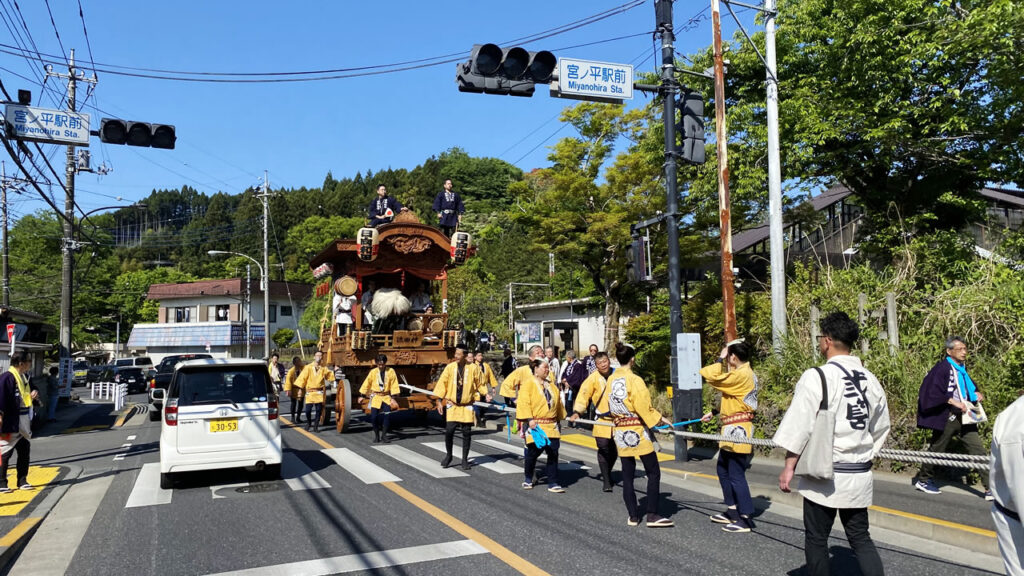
x=134, y=377
x=95, y=373
x=219, y=414
x=161, y=377
x=483, y=342
x=81, y=370
x=144, y=362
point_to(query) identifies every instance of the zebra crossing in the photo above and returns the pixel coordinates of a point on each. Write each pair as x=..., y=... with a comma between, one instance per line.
x=298, y=476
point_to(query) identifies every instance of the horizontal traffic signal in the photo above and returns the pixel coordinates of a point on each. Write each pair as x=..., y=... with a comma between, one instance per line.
x=513, y=71
x=113, y=131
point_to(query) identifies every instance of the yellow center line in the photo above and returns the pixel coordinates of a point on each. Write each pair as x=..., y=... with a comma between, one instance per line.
x=936, y=521
x=517, y=562
x=18, y=531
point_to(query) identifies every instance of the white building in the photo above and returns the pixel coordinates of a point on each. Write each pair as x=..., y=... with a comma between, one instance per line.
x=564, y=324
x=211, y=316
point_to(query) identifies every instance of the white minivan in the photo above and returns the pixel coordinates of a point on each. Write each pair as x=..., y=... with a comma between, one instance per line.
x=219, y=414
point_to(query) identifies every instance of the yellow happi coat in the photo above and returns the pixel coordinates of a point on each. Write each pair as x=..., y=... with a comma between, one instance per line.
x=592, y=391
x=487, y=376
x=379, y=390
x=628, y=403
x=739, y=399
x=313, y=380
x=514, y=381
x=289, y=379
x=460, y=408
x=532, y=404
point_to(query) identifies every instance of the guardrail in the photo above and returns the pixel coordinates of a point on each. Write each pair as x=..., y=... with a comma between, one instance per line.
x=110, y=391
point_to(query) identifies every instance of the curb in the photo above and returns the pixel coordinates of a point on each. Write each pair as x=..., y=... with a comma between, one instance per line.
x=125, y=415
x=18, y=537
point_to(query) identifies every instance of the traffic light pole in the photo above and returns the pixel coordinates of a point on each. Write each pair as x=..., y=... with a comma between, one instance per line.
x=264, y=197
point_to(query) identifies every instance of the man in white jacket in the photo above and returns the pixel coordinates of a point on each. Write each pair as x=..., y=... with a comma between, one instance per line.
x=861, y=427
x=1007, y=483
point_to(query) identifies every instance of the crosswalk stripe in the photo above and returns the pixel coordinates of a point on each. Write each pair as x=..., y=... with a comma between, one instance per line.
x=489, y=462
x=420, y=462
x=518, y=451
x=298, y=476
x=147, y=490
x=360, y=467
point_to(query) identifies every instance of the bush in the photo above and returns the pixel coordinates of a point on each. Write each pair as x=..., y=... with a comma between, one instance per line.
x=283, y=337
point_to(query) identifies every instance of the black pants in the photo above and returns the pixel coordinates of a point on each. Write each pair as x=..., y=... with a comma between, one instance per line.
x=607, y=454
x=296, y=410
x=940, y=443
x=448, y=230
x=449, y=438
x=732, y=475
x=653, y=471
x=532, y=453
x=23, y=448
x=818, y=522
x=380, y=417
x=317, y=410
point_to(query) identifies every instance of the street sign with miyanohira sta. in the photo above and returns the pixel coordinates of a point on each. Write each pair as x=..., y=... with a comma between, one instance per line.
x=593, y=81
x=46, y=125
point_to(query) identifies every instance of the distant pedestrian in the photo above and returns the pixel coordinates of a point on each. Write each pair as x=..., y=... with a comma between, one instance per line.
x=573, y=374
x=294, y=390
x=553, y=363
x=314, y=380
x=593, y=390
x=1007, y=464
x=628, y=403
x=861, y=427
x=489, y=382
x=383, y=208
x=16, y=396
x=540, y=406
x=52, y=394
x=945, y=399
x=449, y=208
x=590, y=362
x=736, y=382
x=509, y=364
x=277, y=372
x=379, y=390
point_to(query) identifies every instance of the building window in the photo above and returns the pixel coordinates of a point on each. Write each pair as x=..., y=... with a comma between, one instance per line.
x=273, y=312
x=221, y=311
x=286, y=310
x=183, y=314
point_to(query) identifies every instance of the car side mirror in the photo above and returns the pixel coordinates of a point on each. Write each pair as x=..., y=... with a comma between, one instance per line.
x=159, y=393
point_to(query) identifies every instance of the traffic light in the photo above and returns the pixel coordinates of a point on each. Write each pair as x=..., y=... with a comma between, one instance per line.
x=113, y=131
x=513, y=71
x=636, y=260
x=690, y=129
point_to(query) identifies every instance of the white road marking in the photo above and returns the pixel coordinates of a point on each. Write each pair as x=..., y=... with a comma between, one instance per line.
x=518, y=451
x=130, y=438
x=489, y=462
x=218, y=487
x=128, y=445
x=367, y=561
x=420, y=462
x=119, y=457
x=360, y=467
x=298, y=476
x=147, y=490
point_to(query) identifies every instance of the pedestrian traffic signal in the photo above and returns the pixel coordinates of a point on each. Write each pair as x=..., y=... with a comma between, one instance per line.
x=113, y=131
x=513, y=71
x=690, y=129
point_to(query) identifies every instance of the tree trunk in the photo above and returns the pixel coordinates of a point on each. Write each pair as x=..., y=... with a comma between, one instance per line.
x=611, y=323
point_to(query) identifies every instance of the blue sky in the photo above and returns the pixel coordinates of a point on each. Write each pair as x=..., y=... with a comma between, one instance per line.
x=229, y=133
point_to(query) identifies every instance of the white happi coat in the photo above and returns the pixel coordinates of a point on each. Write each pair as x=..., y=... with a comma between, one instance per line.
x=862, y=425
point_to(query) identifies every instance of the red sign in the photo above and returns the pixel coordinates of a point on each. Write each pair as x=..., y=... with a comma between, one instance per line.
x=10, y=333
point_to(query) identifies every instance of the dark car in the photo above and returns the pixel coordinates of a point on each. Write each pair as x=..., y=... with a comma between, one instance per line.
x=160, y=378
x=95, y=373
x=134, y=377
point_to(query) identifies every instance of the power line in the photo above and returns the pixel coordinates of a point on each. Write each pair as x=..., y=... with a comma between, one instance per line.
x=57, y=32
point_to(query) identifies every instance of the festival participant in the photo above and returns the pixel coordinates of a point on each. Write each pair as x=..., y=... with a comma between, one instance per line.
x=379, y=389
x=572, y=376
x=489, y=382
x=16, y=399
x=383, y=208
x=276, y=370
x=510, y=385
x=449, y=208
x=590, y=362
x=593, y=390
x=540, y=405
x=293, y=389
x=314, y=380
x=456, y=390
x=628, y=403
x=734, y=378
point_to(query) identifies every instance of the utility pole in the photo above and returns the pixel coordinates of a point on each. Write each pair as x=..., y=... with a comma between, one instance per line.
x=248, y=309
x=264, y=197
x=724, y=211
x=775, y=247
x=3, y=249
x=68, y=244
